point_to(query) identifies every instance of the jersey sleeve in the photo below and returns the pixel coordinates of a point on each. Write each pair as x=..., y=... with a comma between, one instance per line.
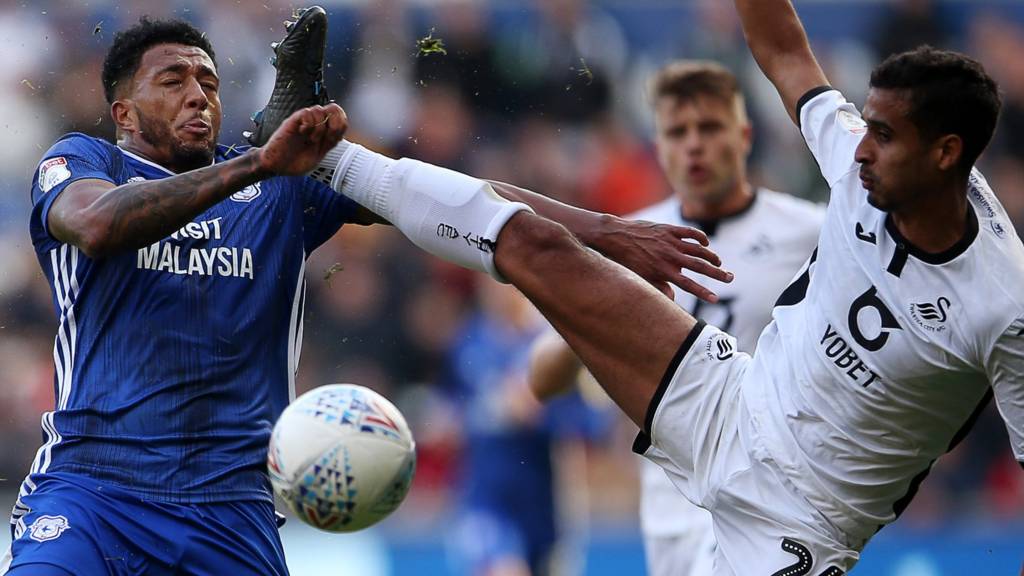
x=74, y=157
x=324, y=212
x=577, y=417
x=1005, y=370
x=832, y=128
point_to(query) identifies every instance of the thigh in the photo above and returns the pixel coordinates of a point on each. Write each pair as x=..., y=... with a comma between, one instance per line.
x=763, y=529
x=694, y=431
x=623, y=330
x=76, y=529
x=235, y=538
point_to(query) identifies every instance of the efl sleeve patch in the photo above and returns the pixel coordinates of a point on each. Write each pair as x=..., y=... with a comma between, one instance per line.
x=52, y=172
x=852, y=123
x=833, y=129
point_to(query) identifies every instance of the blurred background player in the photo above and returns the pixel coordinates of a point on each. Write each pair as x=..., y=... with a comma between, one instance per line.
x=511, y=520
x=703, y=139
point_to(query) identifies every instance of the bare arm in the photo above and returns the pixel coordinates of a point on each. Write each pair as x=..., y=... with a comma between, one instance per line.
x=101, y=218
x=779, y=44
x=656, y=252
x=553, y=366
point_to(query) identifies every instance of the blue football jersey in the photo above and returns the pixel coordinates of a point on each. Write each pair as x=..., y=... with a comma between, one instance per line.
x=174, y=360
x=507, y=469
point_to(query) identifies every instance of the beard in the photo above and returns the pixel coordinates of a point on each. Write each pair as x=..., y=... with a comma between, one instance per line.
x=876, y=203
x=879, y=202
x=189, y=155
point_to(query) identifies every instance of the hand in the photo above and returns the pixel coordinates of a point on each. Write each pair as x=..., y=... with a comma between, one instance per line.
x=658, y=253
x=302, y=141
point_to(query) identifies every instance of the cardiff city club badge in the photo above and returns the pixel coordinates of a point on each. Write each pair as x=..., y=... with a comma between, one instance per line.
x=47, y=528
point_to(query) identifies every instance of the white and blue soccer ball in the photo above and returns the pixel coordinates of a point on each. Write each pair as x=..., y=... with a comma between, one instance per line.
x=342, y=457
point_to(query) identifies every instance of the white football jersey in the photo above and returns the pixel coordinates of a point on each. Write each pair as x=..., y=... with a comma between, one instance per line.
x=880, y=356
x=765, y=246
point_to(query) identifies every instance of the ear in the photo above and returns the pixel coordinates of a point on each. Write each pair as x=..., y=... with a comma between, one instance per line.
x=748, y=137
x=948, y=150
x=123, y=113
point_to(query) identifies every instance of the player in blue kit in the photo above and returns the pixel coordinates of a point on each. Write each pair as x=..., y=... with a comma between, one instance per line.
x=508, y=522
x=177, y=274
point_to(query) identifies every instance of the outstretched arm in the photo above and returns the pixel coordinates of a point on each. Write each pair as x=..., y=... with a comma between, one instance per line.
x=553, y=366
x=103, y=219
x=779, y=44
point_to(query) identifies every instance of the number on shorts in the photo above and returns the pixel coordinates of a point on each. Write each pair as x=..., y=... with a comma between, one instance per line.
x=804, y=561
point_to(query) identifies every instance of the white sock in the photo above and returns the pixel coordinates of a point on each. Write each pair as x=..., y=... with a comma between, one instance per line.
x=451, y=215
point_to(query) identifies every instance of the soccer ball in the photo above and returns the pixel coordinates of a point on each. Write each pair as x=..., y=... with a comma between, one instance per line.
x=342, y=457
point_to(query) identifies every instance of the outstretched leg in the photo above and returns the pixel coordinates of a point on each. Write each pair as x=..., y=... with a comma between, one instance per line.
x=623, y=330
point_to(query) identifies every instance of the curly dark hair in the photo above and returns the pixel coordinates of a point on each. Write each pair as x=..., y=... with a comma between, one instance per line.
x=949, y=92
x=122, y=61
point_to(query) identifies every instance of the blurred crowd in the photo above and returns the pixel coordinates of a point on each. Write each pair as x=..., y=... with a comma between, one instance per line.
x=547, y=94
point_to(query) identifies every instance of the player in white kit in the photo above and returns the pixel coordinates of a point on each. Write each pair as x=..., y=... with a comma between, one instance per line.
x=907, y=316
x=703, y=138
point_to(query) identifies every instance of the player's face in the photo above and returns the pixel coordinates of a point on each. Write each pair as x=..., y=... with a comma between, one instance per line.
x=896, y=164
x=176, y=105
x=702, y=146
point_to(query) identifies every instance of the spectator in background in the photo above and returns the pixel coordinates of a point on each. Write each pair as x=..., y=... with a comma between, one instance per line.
x=381, y=91
x=622, y=175
x=907, y=24
x=566, y=62
x=443, y=127
x=1000, y=40
x=470, y=64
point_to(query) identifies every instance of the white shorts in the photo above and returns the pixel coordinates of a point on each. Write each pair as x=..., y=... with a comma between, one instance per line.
x=694, y=429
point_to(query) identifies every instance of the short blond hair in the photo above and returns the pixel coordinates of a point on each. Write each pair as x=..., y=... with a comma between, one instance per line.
x=687, y=80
